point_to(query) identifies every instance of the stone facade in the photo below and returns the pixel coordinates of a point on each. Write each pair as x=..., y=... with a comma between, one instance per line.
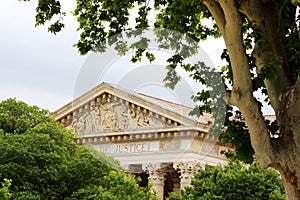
x=152, y=138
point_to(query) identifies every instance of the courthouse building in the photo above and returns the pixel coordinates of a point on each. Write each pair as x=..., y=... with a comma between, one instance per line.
x=154, y=139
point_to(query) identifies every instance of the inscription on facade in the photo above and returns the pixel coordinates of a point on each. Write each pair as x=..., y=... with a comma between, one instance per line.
x=126, y=148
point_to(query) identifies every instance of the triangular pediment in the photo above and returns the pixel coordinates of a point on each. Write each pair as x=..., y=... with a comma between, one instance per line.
x=108, y=108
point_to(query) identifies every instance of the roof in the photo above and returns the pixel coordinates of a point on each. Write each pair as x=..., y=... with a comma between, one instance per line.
x=184, y=110
x=167, y=109
x=177, y=109
x=171, y=106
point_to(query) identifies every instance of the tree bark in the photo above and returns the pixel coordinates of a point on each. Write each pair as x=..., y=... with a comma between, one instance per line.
x=269, y=22
x=242, y=93
x=281, y=153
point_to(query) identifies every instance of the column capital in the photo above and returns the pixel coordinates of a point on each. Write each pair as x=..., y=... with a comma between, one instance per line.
x=152, y=167
x=187, y=171
x=157, y=178
x=188, y=167
x=156, y=174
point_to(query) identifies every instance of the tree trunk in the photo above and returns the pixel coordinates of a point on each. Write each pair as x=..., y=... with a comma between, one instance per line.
x=290, y=173
x=290, y=191
x=282, y=153
x=287, y=147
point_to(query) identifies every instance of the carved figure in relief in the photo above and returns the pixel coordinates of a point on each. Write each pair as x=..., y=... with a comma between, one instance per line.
x=108, y=120
x=142, y=119
x=113, y=116
x=94, y=120
x=132, y=123
x=74, y=126
x=81, y=124
x=91, y=121
x=88, y=124
x=129, y=118
x=122, y=117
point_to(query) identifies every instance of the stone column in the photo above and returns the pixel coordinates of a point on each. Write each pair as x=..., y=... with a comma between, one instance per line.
x=187, y=171
x=157, y=178
x=176, y=187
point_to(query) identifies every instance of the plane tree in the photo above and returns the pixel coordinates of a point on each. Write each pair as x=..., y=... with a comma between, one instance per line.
x=262, y=50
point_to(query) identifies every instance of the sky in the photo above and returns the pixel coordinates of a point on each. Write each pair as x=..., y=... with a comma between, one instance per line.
x=36, y=67
x=44, y=69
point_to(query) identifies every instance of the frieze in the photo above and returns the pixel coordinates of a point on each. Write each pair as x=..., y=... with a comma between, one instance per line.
x=113, y=115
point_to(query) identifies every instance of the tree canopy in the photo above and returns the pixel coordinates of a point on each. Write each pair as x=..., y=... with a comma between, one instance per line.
x=42, y=162
x=233, y=181
x=4, y=190
x=262, y=50
x=16, y=117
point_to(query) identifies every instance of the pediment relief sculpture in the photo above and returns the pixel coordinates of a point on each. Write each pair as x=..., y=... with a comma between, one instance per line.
x=113, y=114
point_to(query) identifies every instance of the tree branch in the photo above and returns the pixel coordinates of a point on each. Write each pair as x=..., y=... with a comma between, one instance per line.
x=271, y=52
x=289, y=114
x=242, y=93
x=217, y=12
x=233, y=39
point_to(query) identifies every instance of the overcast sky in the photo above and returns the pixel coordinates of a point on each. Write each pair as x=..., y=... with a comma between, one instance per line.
x=41, y=68
x=36, y=66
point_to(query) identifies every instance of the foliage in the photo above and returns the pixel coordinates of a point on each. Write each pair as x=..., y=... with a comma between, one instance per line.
x=16, y=116
x=44, y=163
x=116, y=187
x=236, y=133
x=234, y=181
x=4, y=190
